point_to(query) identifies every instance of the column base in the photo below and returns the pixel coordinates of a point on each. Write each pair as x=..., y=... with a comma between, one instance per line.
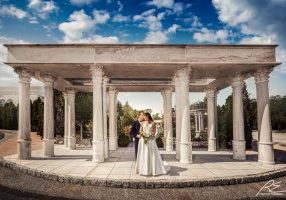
x=238, y=147
x=113, y=143
x=24, y=149
x=66, y=141
x=169, y=145
x=266, y=153
x=198, y=134
x=185, y=152
x=177, y=150
x=106, y=151
x=48, y=147
x=97, y=151
x=211, y=144
x=72, y=143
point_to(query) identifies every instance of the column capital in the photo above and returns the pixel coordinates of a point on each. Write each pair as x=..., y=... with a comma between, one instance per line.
x=24, y=75
x=112, y=90
x=262, y=75
x=237, y=81
x=211, y=91
x=96, y=71
x=48, y=80
x=105, y=80
x=183, y=73
x=168, y=90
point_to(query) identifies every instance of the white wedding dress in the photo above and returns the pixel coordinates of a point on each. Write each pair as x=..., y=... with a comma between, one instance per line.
x=149, y=161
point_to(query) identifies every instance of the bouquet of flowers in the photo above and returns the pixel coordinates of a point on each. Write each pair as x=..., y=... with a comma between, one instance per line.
x=146, y=134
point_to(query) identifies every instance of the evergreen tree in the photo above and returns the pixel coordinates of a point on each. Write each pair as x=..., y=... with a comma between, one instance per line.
x=37, y=115
x=58, y=112
x=83, y=110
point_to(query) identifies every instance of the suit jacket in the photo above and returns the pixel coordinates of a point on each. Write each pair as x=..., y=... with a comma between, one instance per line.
x=135, y=129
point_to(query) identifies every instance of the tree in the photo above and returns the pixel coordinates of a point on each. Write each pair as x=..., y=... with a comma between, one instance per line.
x=248, y=117
x=37, y=115
x=58, y=112
x=83, y=110
x=9, y=116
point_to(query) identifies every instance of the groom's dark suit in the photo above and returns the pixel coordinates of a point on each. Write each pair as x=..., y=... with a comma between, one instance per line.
x=134, y=132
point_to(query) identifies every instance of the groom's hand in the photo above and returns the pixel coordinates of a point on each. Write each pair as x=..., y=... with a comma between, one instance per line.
x=138, y=136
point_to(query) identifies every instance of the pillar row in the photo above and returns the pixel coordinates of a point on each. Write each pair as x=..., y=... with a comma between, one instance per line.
x=169, y=124
x=48, y=139
x=238, y=143
x=104, y=115
x=113, y=140
x=24, y=123
x=178, y=115
x=71, y=138
x=97, y=142
x=185, y=143
x=211, y=96
x=265, y=144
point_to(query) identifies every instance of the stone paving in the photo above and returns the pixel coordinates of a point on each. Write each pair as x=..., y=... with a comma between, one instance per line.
x=120, y=165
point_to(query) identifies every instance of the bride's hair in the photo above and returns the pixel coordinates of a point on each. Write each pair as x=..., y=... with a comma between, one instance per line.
x=146, y=114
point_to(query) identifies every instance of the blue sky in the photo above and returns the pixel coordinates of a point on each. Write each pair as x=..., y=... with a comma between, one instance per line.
x=154, y=21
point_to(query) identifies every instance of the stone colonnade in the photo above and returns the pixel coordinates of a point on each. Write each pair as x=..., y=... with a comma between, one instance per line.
x=105, y=139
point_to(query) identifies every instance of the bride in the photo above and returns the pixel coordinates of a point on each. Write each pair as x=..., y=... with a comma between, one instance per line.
x=149, y=161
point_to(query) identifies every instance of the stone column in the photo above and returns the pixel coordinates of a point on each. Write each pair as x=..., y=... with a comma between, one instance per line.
x=169, y=125
x=115, y=119
x=185, y=144
x=197, y=124
x=24, y=123
x=112, y=119
x=48, y=139
x=211, y=96
x=104, y=99
x=164, y=117
x=238, y=143
x=202, y=122
x=66, y=120
x=265, y=145
x=178, y=116
x=97, y=143
x=71, y=119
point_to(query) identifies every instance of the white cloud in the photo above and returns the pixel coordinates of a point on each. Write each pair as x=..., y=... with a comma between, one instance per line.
x=261, y=21
x=78, y=24
x=120, y=18
x=160, y=37
x=233, y=13
x=42, y=8
x=206, y=35
x=175, y=8
x=120, y=6
x=173, y=29
x=156, y=37
x=80, y=28
x=150, y=20
x=81, y=2
x=162, y=3
x=101, y=16
x=10, y=10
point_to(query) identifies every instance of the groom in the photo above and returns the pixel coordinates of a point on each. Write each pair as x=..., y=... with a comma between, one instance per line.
x=135, y=131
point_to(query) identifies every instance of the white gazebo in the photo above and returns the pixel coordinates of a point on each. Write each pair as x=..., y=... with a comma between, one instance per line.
x=106, y=69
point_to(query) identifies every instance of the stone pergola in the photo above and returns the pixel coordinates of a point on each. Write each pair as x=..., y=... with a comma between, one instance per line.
x=199, y=120
x=106, y=69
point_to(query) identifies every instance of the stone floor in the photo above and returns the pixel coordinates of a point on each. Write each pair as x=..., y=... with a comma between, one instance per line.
x=120, y=164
